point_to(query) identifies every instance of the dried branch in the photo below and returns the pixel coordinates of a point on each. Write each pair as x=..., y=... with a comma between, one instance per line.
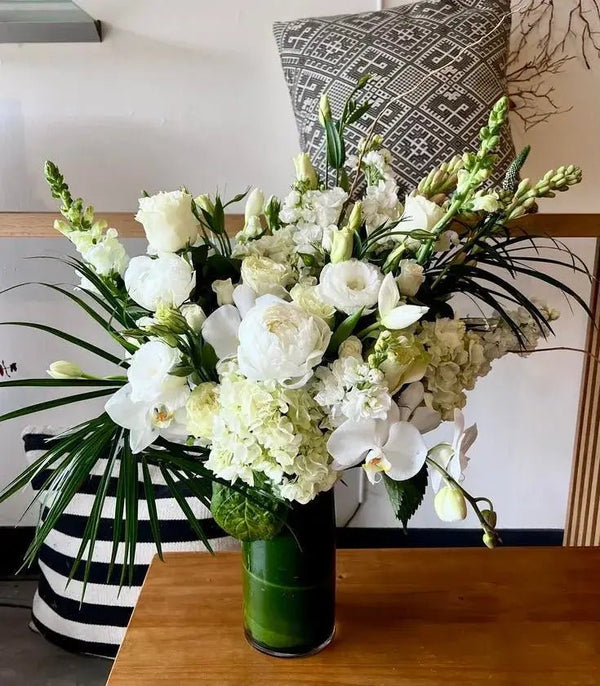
x=546, y=35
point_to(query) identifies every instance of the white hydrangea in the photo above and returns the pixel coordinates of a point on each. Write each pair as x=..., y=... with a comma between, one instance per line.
x=263, y=428
x=349, y=388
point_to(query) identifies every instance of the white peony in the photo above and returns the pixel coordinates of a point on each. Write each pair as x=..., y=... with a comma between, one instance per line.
x=280, y=341
x=263, y=275
x=167, y=280
x=420, y=214
x=168, y=221
x=350, y=285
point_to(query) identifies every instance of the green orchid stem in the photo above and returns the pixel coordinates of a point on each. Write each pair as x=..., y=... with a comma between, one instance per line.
x=468, y=497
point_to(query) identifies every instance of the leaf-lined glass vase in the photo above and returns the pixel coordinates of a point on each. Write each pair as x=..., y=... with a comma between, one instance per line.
x=289, y=583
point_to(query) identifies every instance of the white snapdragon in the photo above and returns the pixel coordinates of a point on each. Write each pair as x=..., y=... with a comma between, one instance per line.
x=280, y=341
x=168, y=221
x=351, y=285
x=165, y=280
x=102, y=251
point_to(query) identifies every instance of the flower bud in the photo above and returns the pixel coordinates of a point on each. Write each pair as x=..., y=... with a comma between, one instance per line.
x=65, y=370
x=194, y=316
x=342, y=245
x=355, y=220
x=411, y=277
x=305, y=171
x=223, y=288
x=171, y=319
x=205, y=203
x=490, y=540
x=490, y=517
x=450, y=504
x=62, y=226
x=254, y=204
x=324, y=109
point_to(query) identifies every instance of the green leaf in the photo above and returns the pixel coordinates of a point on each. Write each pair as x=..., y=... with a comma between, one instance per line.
x=246, y=518
x=58, y=402
x=335, y=145
x=63, y=383
x=68, y=337
x=344, y=330
x=152, y=511
x=406, y=496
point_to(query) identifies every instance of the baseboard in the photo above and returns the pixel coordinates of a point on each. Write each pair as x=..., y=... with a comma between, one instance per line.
x=14, y=541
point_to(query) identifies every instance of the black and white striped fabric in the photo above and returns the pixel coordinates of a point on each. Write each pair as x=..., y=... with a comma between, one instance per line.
x=97, y=626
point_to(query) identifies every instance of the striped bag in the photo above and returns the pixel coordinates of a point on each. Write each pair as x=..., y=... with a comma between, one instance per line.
x=97, y=625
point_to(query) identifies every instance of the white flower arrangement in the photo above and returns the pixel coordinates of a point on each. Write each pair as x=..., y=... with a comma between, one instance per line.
x=321, y=338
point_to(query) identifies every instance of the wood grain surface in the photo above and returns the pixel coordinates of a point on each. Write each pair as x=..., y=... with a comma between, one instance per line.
x=39, y=224
x=513, y=616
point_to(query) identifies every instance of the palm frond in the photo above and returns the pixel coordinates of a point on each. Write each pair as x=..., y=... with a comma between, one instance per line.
x=57, y=402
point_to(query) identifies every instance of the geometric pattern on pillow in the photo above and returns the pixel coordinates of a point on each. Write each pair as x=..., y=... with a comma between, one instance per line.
x=97, y=625
x=421, y=126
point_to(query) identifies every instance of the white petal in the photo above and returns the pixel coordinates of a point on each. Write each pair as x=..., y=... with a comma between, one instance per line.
x=221, y=330
x=406, y=451
x=133, y=416
x=426, y=419
x=403, y=316
x=442, y=454
x=468, y=438
x=412, y=396
x=244, y=298
x=140, y=439
x=389, y=295
x=349, y=443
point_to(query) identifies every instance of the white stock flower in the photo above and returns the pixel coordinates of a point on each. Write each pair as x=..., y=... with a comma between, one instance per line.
x=165, y=280
x=265, y=276
x=420, y=214
x=280, y=341
x=411, y=277
x=350, y=285
x=392, y=313
x=194, y=316
x=168, y=220
x=395, y=448
x=453, y=458
x=381, y=204
x=223, y=289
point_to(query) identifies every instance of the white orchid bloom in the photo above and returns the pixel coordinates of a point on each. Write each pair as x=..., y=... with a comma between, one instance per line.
x=393, y=447
x=412, y=409
x=453, y=458
x=220, y=329
x=147, y=420
x=392, y=313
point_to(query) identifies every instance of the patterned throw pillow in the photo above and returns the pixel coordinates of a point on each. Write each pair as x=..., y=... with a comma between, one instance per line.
x=428, y=117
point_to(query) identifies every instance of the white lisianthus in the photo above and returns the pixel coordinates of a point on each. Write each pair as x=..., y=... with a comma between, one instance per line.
x=265, y=276
x=394, y=314
x=202, y=405
x=305, y=172
x=194, y=316
x=411, y=277
x=168, y=221
x=350, y=285
x=420, y=214
x=280, y=341
x=306, y=296
x=149, y=373
x=165, y=280
x=223, y=289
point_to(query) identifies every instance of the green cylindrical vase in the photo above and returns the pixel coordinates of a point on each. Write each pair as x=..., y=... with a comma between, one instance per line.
x=289, y=583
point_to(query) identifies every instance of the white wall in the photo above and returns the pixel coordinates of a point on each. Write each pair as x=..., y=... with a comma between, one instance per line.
x=191, y=92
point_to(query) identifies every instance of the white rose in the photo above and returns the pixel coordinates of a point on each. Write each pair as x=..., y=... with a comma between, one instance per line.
x=420, y=214
x=165, y=280
x=168, y=221
x=149, y=374
x=351, y=347
x=263, y=275
x=307, y=297
x=350, y=285
x=194, y=316
x=280, y=341
x=411, y=277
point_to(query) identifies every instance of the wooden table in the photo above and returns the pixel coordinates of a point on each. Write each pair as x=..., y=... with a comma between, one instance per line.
x=511, y=616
